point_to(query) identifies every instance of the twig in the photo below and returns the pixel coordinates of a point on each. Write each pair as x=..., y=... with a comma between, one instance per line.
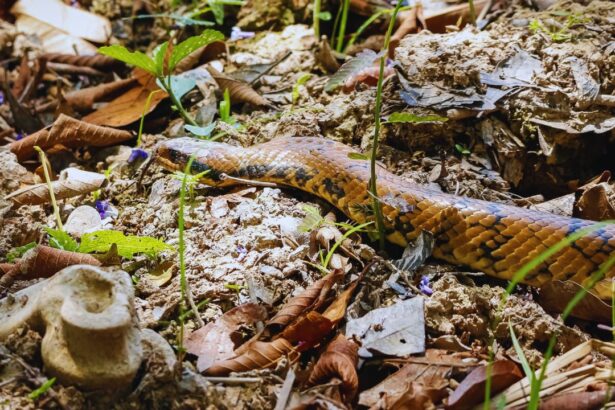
x=249, y=182
x=287, y=388
x=233, y=380
x=74, y=69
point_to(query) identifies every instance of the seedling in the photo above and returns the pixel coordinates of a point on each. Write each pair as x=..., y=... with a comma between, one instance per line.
x=342, y=29
x=462, y=149
x=300, y=81
x=561, y=34
x=42, y=390
x=370, y=21
x=166, y=57
x=18, y=252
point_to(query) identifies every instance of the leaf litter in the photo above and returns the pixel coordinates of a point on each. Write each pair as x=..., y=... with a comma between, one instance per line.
x=493, y=114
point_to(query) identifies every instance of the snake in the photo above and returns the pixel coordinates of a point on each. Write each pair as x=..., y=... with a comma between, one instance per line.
x=494, y=238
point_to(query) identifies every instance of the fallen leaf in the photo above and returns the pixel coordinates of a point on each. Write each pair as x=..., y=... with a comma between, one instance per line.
x=214, y=342
x=311, y=298
x=239, y=91
x=97, y=61
x=24, y=120
x=596, y=202
x=161, y=279
x=80, y=183
x=68, y=132
x=416, y=253
x=555, y=295
x=84, y=99
x=260, y=355
x=397, y=330
x=437, y=21
x=308, y=331
x=420, y=396
x=338, y=361
x=337, y=310
x=471, y=390
x=587, y=400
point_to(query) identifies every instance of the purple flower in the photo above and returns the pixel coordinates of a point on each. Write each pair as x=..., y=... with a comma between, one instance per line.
x=102, y=207
x=74, y=3
x=136, y=154
x=1, y=98
x=424, y=286
x=238, y=34
x=19, y=136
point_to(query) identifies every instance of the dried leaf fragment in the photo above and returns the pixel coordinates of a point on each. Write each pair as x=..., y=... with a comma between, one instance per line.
x=69, y=132
x=239, y=92
x=311, y=298
x=84, y=99
x=213, y=342
x=260, y=355
x=340, y=361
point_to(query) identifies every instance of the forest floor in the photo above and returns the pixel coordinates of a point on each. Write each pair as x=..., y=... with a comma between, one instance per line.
x=519, y=111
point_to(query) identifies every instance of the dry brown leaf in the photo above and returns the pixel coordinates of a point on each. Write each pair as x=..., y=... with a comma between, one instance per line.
x=260, y=355
x=471, y=391
x=98, y=61
x=84, y=99
x=336, y=311
x=339, y=361
x=596, y=202
x=419, y=396
x=202, y=55
x=586, y=400
x=436, y=23
x=84, y=183
x=42, y=262
x=311, y=298
x=214, y=342
x=555, y=295
x=128, y=107
x=68, y=132
x=239, y=92
x=308, y=331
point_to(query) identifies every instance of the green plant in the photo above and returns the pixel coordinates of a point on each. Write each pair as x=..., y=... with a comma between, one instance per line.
x=379, y=13
x=372, y=182
x=353, y=229
x=462, y=149
x=61, y=240
x=191, y=180
x=18, y=252
x=225, y=108
x=339, y=46
x=148, y=102
x=561, y=33
x=518, y=278
x=164, y=62
x=316, y=18
x=300, y=81
x=35, y=394
x=216, y=7
x=472, y=12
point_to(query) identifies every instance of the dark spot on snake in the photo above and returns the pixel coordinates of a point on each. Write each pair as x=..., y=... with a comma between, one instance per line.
x=302, y=176
x=333, y=189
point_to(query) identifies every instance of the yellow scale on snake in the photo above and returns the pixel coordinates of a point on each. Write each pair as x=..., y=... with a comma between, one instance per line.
x=493, y=238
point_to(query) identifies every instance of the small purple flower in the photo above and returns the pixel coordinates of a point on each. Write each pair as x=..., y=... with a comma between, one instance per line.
x=102, y=207
x=238, y=34
x=19, y=136
x=1, y=98
x=136, y=154
x=424, y=286
x=74, y=3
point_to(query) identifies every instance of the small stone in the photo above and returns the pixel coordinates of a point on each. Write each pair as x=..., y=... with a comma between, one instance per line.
x=82, y=220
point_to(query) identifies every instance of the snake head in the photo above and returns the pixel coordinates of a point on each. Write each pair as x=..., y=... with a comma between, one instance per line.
x=217, y=158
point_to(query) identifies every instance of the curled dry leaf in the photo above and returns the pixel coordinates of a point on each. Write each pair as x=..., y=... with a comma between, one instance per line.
x=555, y=295
x=308, y=331
x=97, y=61
x=420, y=396
x=42, y=262
x=69, y=132
x=214, y=342
x=84, y=99
x=339, y=361
x=596, y=202
x=201, y=56
x=239, y=91
x=77, y=183
x=311, y=298
x=578, y=400
x=471, y=390
x=260, y=355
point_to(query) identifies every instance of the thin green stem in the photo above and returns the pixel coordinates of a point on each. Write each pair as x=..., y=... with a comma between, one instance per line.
x=472, y=12
x=316, y=18
x=52, y=195
x=373, y=187
x=178, y=105
x=342, y=31
x=354, y=229
x=144, y=113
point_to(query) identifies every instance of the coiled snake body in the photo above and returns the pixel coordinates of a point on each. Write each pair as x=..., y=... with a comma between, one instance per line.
x=493, y=238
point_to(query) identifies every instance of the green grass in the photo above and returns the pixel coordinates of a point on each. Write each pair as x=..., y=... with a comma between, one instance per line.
x=339, y=46
x=517, y=278
x=52, y=195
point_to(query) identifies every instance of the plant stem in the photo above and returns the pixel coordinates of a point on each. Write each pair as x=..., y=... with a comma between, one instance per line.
x=472, y=12
x=52, y=195
x=342, y=32
x=316, y=18
x=373, y=188
x=144, y=113
x=180, y=108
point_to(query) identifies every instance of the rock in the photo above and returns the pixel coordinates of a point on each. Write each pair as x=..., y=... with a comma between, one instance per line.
x=87, y=314
x=82, y=220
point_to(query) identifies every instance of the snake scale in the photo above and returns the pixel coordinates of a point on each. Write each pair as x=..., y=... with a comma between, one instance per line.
x=493, y=238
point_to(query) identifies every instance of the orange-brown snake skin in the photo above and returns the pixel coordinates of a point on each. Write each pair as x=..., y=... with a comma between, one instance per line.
x=490, y=237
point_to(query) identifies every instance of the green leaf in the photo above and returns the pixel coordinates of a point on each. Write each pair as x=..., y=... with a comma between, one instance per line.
x=300, y=81
x=402, y=117
x=358, y=155
x=127, y=246
x=524, y=363
x=42, y=390
x=225, y=108
x=19, y=251
x=217, y=9
x=202, y=132
x=324, y=16
x=312, y=219
x=159, y=54
x=61, y=240
x=180, y=85
x=462, y=149
x=183, y=49
x=136, y=58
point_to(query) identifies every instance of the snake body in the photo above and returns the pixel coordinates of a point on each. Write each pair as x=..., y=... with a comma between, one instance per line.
x=493, y=238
